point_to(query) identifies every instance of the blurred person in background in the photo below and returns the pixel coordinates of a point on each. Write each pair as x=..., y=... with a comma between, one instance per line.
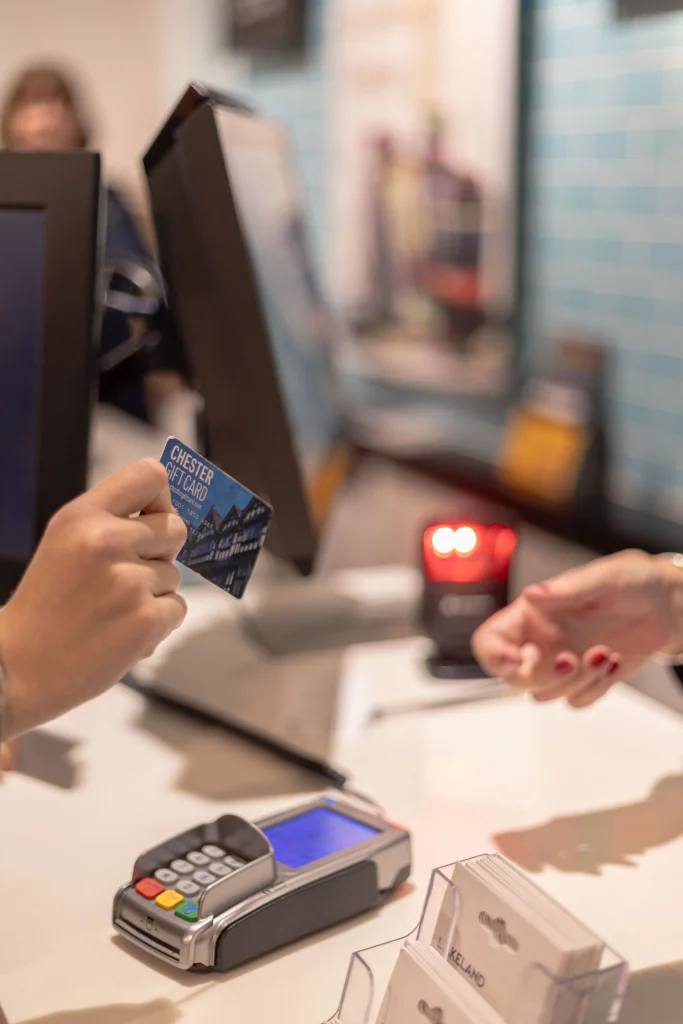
x=44, y=111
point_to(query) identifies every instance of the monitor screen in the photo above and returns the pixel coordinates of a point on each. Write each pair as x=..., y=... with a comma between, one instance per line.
x=315, y=834
x=22, y=268
x=299, y=323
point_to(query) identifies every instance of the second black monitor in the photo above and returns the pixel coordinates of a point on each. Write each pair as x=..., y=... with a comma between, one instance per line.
x=257, y=335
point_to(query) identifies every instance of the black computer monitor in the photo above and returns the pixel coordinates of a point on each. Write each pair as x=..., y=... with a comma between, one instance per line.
x=48, y=258
x=257, y=335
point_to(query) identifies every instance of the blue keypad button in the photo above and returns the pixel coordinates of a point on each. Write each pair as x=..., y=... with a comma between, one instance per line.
x=166, y=876
x=213, y=852
x=181, y=867
x=199, y=859
x=219, y=870
x=204, y=878
x=188, y=888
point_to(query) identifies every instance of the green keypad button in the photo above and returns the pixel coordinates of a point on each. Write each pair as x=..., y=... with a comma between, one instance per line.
x=188, y=911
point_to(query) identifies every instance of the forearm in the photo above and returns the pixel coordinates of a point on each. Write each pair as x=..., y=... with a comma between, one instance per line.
x=672, y=576
x=18, y=713
x=6, y=718
x=2, y=705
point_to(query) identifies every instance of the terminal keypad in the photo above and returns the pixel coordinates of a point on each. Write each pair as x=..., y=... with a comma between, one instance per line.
x=173, y=887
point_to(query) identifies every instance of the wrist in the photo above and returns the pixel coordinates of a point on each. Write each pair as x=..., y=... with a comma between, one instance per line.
x=16, y=706
x=670, y=569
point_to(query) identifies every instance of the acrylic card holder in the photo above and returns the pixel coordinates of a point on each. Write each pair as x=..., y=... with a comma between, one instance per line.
x=593, y=998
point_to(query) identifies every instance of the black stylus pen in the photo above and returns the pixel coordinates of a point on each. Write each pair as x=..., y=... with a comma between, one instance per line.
x=320, y=768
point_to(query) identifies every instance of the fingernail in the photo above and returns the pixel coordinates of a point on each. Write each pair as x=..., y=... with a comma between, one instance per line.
x=614, y=665
x=563, y=666
x=537, y=588
x=597, y=660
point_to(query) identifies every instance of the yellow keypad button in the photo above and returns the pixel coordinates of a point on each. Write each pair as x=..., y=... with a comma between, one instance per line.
x=169, y=899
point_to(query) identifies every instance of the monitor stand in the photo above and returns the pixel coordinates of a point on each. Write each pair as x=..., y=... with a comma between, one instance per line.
x=271, y=678
x=441, y=667
x=330, y=610
x=293, y=628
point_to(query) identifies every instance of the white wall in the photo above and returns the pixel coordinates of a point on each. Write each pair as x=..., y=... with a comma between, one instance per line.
x=133, y=58
x=113, y=48
x=382, y=75
x=194, y=46
x=393, y=62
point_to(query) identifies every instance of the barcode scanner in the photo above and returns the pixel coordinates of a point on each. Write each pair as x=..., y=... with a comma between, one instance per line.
x=467, y=561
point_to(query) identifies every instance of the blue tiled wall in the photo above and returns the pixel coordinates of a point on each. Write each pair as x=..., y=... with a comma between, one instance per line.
x=605, y=211
x=606, y=223
x=295, y=94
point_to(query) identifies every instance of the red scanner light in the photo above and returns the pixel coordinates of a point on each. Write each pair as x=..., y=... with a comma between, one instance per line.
x=459, y=541
x=505, y=546
x=468, y=552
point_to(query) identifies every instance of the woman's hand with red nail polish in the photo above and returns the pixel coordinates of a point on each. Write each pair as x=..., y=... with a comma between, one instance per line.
x=578, y=634
x=513, y=644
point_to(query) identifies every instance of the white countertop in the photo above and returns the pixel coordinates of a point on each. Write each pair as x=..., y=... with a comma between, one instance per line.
x=590, y=803
x=595, y=800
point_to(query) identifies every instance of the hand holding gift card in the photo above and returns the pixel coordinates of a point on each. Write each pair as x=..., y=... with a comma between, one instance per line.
x=226, y=522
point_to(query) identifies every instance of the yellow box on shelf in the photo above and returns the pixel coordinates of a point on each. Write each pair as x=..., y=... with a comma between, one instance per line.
x=541, y=458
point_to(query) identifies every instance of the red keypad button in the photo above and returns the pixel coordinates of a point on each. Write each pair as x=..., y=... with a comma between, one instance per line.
x=148, y=888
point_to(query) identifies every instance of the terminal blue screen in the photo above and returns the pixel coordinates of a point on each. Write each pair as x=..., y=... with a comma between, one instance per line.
x=318, y=833
x=22, y=263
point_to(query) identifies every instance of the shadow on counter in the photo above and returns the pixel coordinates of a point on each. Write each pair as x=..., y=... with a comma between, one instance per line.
x=220, y=764
x=585, y=843
x=48, y=758
x=288, y=699
x=124, y=1013
x=655, y=994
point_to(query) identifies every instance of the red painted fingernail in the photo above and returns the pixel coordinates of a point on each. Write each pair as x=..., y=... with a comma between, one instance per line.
x=597, y=660
x=614, y=665
x=563, y=666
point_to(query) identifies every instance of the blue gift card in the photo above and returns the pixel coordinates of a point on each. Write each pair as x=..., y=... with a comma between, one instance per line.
x=226, y=522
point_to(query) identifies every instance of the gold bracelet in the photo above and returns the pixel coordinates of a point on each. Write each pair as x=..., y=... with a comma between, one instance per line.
x=670, y=660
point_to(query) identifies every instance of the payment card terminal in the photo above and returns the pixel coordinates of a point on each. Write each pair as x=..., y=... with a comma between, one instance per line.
x=228, y=892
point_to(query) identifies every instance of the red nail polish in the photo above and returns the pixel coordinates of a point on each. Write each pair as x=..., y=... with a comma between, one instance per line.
x=597, y=660
x=563, y=666
x=614, y=666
